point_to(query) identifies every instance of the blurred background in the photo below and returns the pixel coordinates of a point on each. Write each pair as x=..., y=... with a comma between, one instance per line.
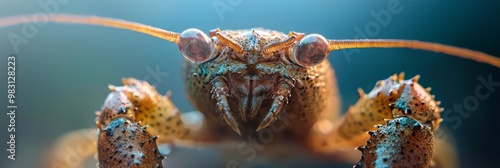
x=63, y=70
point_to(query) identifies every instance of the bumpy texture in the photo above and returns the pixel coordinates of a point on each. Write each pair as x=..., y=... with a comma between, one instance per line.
x=418, y=103
x=140, y=102
x=155, y=111
x=123, y=140
x=402, y=142
x=391, y=98
x=116, y=105
x=126, y=144
x=254, y=90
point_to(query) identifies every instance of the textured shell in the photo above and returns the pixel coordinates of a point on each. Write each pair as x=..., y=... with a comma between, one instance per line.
x=390, y=98
x=124, y=144
x=314, y=96
x=402, y=142
x=139, y=101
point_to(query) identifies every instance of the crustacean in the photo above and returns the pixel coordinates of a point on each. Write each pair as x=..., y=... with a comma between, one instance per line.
x=249, y=84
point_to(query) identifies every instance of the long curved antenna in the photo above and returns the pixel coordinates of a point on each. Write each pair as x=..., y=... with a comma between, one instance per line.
x=95, y=20
x=390, y=43
x=333, y=44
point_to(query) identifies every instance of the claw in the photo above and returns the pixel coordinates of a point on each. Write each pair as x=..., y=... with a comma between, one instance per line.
x=219, y=92
x=275, y=109
x=121, y=145
x=390, y=98
x=417, y=102
x=402, y=142
x=226, y=113
x=280, y=97
x=151, y=109
x=116, y=105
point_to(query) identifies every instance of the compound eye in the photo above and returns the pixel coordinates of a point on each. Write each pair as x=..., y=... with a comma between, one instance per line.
x=311, y=50
x=195, y=45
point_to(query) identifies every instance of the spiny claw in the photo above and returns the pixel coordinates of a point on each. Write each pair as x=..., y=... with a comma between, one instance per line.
x=124, y=144
x=418, y=103
x=155, y=110
x=390, y=98
x=116, y=105
x=402, y=142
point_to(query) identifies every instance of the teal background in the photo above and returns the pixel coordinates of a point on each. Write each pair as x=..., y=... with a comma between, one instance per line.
x=63, y=72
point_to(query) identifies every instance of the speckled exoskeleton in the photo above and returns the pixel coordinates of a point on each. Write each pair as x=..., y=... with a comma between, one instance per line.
x=252, y=84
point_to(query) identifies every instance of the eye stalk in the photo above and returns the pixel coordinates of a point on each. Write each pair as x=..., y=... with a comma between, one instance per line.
x=311, y=50
x=195, y=45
